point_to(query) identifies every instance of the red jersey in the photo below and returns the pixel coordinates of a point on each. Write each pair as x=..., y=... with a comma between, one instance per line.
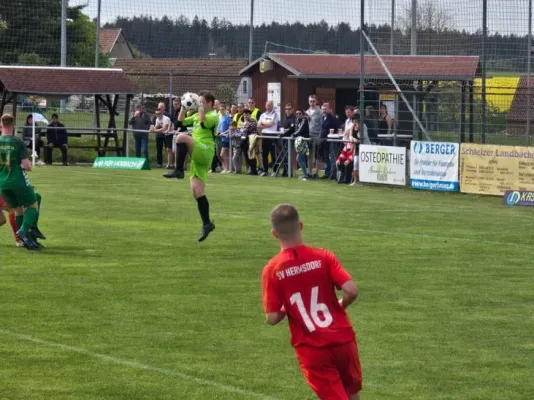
x=3, y=204
x=303, y=279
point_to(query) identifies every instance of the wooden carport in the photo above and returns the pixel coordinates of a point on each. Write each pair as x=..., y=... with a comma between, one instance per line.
x=105, y=84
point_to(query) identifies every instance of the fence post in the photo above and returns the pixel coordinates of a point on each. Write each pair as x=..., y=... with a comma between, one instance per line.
x=484, y=36
x=362, y=65
x=392, y=38
x=529, y=60
x=170, y=92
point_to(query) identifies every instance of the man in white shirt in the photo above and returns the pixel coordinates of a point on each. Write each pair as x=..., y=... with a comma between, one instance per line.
x=315, y=114
x=162, y=125
x=349, y=113
x=268, y=124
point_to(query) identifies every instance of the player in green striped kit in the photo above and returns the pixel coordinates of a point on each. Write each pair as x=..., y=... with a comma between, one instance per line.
x=15, y=187
x=201, y=147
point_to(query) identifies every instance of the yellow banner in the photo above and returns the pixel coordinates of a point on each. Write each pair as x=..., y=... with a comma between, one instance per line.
x=492, y=169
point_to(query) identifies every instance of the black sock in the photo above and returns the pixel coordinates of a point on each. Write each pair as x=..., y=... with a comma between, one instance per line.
x=181, y=154
x=204, y=209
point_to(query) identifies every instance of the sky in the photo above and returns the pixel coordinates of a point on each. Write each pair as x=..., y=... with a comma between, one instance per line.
x=504, y=16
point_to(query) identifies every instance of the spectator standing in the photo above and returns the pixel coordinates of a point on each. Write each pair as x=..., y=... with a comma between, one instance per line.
x=329, y=123
x=160, y=136
x=162, y=126
x=224, y=126
x=255, y=111
x=349, y=113
x=140, y=122
x=314, y=112
x=385, y=122
x=249, y=129
x=371, y=123
x=56, y=137
x=302, y=131
x=289, y=126
x=235, y=137
x=27, y=137
x=268, y=123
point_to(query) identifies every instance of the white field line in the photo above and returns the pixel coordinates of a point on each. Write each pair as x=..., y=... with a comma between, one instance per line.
x=137, y=365
x=425, y=236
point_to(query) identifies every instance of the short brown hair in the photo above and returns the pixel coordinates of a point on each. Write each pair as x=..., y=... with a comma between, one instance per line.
x=285, y=220
x=8, y=120
x=210, y=98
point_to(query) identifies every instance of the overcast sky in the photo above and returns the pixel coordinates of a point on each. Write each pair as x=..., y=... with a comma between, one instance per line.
x=505, y=16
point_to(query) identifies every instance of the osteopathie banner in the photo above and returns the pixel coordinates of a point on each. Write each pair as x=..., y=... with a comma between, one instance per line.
x=382, y=164
x=434, y=166
x=492, y=169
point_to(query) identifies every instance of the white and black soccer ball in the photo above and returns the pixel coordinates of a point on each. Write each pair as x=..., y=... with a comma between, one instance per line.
x=190, y=101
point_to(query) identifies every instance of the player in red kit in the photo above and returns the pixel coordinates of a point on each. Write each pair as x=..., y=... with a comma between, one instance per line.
x=301, y=282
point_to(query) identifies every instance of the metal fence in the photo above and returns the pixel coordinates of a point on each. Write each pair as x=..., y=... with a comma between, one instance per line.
x=498, y=31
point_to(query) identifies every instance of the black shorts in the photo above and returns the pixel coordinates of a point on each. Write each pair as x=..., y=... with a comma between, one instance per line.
x=168, y=141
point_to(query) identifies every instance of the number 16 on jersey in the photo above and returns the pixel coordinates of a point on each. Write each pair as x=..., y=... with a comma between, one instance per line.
x=311, y=317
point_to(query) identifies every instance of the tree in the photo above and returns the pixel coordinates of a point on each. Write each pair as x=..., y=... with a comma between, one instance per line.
x=34, y=36
x=32, y=59
x=430, y=17
x=226, y=94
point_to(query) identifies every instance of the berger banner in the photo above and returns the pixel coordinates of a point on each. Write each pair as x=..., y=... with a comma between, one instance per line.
x=382, y=164
x=493, y=169
x=434, y=166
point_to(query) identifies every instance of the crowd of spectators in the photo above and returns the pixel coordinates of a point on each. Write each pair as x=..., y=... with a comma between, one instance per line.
x=249, y=139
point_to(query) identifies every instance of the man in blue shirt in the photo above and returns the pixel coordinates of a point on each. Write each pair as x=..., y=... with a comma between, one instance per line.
x=224, y=126
x=328, y=122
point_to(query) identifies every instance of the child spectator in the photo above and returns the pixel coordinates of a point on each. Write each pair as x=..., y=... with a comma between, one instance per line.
x=302, y=130
x=234, y=135
x=345, y=162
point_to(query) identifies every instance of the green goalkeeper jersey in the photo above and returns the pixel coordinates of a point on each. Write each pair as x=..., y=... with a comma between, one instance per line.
x=12, y=152
x=203, y=133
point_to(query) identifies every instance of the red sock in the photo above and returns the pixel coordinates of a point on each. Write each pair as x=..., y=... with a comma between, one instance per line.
x=13, y=223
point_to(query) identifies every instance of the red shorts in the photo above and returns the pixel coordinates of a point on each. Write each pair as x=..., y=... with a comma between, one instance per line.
x=334, y=373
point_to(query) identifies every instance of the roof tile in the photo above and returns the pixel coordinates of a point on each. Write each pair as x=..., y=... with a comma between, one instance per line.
x=518, y=109
x=186, y=66
x=49, y=80
x=108, y=38
x=401, y=67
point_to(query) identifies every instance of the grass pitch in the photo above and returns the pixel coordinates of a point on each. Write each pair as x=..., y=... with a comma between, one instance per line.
x=124, y=304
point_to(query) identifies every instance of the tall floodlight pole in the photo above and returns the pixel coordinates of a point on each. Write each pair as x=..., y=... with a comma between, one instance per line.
x=251, y=32
x=97, y=48
x=529, y=61
x=413, y=52
x=413, y=43
x=362, y=65
x=484, y=77
x=63, y=60
x=97, y=42
x=392, y=37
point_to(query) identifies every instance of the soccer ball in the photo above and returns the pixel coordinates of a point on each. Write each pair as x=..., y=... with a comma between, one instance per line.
x=190, y=101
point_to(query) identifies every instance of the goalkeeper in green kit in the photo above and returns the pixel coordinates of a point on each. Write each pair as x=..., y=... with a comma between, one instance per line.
x=201, y=147
x=15, y=187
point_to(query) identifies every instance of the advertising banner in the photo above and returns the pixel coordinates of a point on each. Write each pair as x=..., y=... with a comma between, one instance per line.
x=494, y=169
x=121, y=163
x=434, y=166
x=383, y=164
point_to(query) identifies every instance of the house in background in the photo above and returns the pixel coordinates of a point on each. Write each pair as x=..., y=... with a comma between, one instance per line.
x=335, y=78
x=180, y=75
x=114, y=43
x=516, y=119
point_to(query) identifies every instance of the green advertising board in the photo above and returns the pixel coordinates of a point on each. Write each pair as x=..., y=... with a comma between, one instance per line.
x=121, y=163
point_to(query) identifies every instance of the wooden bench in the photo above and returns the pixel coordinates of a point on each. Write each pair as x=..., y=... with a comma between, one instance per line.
x=99, y=147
